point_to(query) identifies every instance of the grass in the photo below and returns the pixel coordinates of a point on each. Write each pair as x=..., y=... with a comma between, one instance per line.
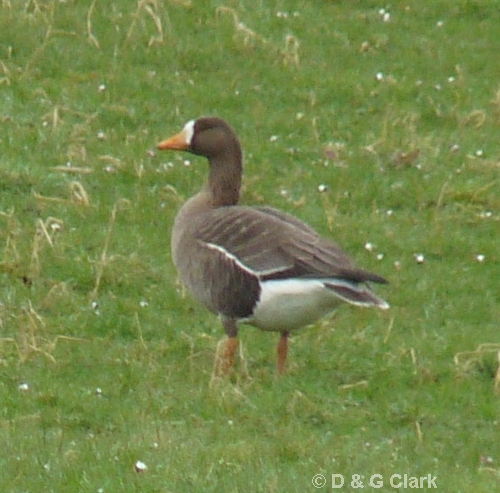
x=105, y=361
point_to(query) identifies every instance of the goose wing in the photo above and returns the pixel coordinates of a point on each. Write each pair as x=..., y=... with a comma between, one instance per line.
x=275, y=245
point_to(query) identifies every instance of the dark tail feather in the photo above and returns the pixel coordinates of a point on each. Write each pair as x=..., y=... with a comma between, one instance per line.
x=356, y=294
x=360, y=275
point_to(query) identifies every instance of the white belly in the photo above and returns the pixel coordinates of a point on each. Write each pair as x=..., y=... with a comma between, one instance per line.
x=286, y=305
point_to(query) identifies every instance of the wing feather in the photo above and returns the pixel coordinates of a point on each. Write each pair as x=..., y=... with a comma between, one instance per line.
x=276, y=245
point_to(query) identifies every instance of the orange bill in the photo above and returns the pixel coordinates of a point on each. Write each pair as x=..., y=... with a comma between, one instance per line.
x=176, y=143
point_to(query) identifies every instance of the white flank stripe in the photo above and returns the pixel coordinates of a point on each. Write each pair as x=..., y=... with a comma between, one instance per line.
x=238, y=262
x=232, y=257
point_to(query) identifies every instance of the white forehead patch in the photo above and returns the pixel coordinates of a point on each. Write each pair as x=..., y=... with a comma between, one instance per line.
x=189, y=131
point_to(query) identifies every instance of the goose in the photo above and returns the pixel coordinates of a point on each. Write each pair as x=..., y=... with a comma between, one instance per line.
x=255, y=265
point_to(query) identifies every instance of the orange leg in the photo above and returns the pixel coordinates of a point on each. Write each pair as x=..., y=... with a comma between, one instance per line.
x=224, y=363
x=282, y=351
x=229, y=351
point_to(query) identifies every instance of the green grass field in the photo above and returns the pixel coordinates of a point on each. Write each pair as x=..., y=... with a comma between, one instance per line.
x=105, y=361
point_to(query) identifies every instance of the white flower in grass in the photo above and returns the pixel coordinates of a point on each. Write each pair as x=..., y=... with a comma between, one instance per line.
x=419, y=257
x=139, y=466
x=95, y=307
x=384, y=14
x=486, y=459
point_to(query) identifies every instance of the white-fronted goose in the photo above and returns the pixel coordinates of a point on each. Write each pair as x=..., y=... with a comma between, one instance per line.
x=255, y=265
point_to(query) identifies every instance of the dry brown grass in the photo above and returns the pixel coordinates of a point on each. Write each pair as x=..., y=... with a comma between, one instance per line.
x=467, y=361
x=105, y=259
